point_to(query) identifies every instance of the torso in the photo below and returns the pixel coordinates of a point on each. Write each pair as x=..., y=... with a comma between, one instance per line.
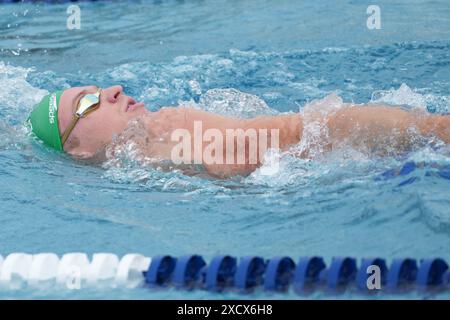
x=151, y=134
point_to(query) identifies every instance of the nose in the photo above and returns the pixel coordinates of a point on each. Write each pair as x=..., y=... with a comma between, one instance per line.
x=113, y=93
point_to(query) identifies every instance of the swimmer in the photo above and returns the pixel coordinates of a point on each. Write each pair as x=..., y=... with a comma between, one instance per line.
x=84, y=121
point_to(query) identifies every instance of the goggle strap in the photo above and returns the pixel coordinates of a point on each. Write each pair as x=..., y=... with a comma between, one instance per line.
x=69, y=129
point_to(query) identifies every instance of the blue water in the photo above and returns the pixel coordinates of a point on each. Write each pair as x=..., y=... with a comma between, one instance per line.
x=283, y=54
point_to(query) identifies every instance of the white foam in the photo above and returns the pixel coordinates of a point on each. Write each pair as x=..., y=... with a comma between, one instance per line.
x=403, y=96
x=315, y=135
x=16, y=94
x=233, y=102
x=17, y=97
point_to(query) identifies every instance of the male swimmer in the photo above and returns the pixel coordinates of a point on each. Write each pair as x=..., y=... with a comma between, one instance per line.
x=83, y=121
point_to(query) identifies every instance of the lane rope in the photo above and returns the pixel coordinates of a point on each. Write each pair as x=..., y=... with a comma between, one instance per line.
x=223, y=273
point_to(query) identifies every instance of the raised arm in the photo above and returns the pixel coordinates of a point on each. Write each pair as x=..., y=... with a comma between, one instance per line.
x=380, y=128
x=375, y=129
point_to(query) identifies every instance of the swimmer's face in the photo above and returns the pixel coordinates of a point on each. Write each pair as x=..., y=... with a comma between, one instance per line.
x=93, y=132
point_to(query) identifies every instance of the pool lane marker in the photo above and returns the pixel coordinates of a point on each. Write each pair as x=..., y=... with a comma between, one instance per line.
x=223, y=273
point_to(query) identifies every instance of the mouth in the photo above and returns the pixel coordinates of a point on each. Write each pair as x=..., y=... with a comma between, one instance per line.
x=131, y=105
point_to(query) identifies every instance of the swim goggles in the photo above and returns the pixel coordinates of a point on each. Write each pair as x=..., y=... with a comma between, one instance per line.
x=88, y=103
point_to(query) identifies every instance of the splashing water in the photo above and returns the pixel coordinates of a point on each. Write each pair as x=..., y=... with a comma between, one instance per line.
x=405, y=96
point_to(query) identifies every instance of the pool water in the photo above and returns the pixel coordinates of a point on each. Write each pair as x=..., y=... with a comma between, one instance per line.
x=277, y=56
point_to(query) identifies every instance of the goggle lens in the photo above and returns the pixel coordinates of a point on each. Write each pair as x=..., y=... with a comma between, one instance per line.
x=88, y=103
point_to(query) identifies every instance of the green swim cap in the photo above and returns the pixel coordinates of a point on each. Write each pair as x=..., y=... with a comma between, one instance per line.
x=44, y=120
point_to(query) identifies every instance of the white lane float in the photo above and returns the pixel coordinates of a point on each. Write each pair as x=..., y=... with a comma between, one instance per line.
x=15, y=270
x=102, y=270
x=130, y=270
x=43, y=270
x=73, y=268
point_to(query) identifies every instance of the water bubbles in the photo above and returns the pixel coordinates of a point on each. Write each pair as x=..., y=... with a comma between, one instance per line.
x=17, y=95
x=233, y=102
x=423, y=99
x=122, y=74
x=315, y=136
x=195, y=87
x=402, y=96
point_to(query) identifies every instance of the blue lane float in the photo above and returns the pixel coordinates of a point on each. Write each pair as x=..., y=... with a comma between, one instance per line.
x=402, y=274
x=308, y=274
x=365, y=271
x=250, y=273
x=436, y=170
x=432, y=272
x=187, y=272
x=220, y=273
x=444, y=172
x=160, y=271
x=342, y=271
x=279, y=273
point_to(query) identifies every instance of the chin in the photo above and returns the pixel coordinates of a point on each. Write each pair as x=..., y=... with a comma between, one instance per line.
x=137, y=113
